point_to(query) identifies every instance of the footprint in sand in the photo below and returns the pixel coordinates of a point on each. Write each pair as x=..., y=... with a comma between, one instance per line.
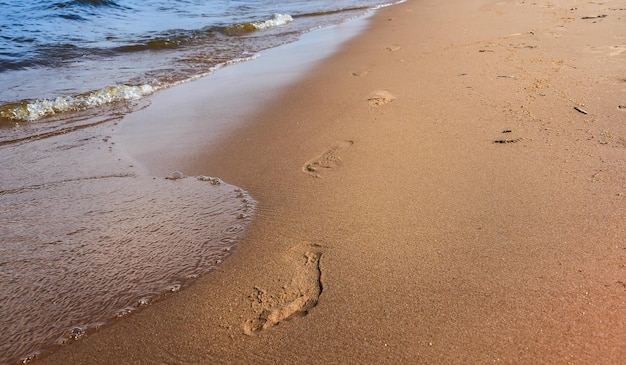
x=393, y=48
x=327, y=160
x=298, y=298
x=380, y=97
x=617, y=50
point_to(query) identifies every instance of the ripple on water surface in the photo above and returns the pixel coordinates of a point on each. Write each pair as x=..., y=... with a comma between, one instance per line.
x=77, y=251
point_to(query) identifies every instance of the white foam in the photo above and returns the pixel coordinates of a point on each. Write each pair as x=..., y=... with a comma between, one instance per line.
x=276, y=21
x=31, y=111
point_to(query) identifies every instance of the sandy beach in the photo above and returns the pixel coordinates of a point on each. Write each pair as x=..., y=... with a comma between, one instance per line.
x=447, y=188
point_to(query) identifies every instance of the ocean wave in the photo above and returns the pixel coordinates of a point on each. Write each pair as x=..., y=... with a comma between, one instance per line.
x=30, y=111
x=33, y=110
x=275, y=21
x=178, y=38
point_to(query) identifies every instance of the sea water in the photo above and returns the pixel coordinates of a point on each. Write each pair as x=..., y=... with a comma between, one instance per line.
x=65, y=55
x=85, y=236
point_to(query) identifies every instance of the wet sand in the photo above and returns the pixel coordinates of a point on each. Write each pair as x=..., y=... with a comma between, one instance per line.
x=429, y=194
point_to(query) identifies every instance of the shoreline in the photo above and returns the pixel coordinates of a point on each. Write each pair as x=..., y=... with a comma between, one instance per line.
x=424, y=239
x=182, y=121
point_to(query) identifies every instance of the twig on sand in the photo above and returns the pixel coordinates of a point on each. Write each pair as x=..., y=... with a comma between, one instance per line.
x=594, y=17
x=580, y=110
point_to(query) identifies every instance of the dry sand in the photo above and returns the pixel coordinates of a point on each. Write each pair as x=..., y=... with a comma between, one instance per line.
x=427, y=195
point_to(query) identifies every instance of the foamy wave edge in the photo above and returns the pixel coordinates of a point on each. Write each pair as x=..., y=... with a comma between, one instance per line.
x=253, y=56
x=30, y=111
x=276, y=21
x=33, y=110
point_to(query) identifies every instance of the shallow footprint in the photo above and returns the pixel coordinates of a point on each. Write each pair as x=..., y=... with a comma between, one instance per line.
x=327, y=160
x=380, y=97
x=617, y=50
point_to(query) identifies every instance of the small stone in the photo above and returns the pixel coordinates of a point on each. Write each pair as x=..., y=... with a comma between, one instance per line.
x=76, y=333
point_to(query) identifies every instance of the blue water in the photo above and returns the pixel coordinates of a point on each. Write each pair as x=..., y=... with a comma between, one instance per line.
x=80, y=54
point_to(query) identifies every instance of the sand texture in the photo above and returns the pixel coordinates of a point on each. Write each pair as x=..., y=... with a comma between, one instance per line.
x=449, y=188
